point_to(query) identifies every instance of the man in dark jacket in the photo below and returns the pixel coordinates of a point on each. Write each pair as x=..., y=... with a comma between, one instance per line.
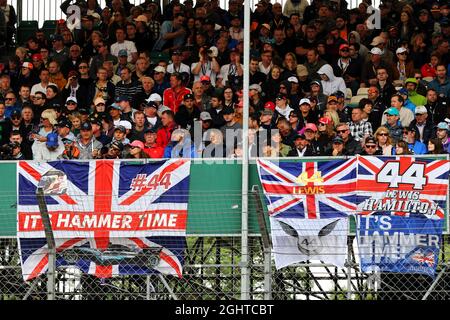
x=423, y=124
x=351, y=146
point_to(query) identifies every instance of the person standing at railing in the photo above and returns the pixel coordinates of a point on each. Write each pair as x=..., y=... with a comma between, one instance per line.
x=10, y=20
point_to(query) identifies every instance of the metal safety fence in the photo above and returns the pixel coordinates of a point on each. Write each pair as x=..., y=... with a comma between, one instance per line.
x=212, y=272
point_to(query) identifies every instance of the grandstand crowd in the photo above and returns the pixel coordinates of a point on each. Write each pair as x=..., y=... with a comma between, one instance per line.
x=151, y=82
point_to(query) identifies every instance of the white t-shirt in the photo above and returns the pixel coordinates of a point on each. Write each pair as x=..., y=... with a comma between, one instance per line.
x=226, y=70
x=205, y=70
x=127, y=45
x=183, y=68
x=38, y=87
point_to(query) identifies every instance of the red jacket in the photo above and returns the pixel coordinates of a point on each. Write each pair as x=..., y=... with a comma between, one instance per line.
x=172, y=99
x=154, y=152
x=164, y=134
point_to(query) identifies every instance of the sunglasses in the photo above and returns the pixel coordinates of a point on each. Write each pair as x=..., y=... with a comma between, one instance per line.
x=341, y=131
x=15, y=118
x=383, y=134
x=345, y=50
x=371, y=146
x=44, y=119
x=82, y=67
x=322, y=124
x=9, y=99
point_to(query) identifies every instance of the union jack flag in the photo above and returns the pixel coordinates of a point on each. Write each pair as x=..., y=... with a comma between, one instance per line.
x=428, y=186
x=310, y=190
x=115, y=218
x=427, y=259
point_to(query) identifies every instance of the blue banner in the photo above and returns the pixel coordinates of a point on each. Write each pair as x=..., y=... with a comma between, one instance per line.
x=399, y=244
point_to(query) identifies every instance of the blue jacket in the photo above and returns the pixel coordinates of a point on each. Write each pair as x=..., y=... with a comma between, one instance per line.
x=187, y=150
x=418, y=147
x=441, y=88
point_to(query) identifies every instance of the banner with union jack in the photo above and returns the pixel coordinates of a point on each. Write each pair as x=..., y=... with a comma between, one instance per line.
x=309, y=189
x=116, y=218
x=392, y=243
x=403, y=186
x=308, y=204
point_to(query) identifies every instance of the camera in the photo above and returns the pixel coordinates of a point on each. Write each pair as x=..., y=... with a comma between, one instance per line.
x=6, y=151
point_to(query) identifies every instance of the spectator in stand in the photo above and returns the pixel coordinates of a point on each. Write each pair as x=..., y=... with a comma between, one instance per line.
x=351, y=146
x=405, y=114
x=168, y=125
x=55, y=75
x=123, y=44
x=410, y=136
x=401, y=148
x=370, y=147
x=174, y=95
x=435, y=147
x=151, y=148
x=429, y=69
x=359, y=129
x=442, y=82
x=44, y=76
x=423, y=125
x=330, y=83
x=384, y=141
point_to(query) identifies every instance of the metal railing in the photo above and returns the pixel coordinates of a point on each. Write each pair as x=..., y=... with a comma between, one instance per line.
x=41, y=10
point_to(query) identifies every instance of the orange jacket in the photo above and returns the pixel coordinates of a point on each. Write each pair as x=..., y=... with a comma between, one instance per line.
x=173, y=99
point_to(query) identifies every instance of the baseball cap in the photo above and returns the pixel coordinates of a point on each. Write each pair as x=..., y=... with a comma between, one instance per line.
x=421, y=110
x=338, y=94
x=137, y=143
x=325, y=120
x=304, y=101
x=122, y=53
x=228, y=110
x=269, y=105
x=338, y=139
x=377, y=40
x=392, y=111
x=52, y=140
x=73, y=99
x=57, y=37
x=99, y=100
x=332, y=98
x=400, y=50
x=151, y=104
x=266, y=25
x=149, y=130
x=376, y=50
x=267, y=112
x=342, y=46
x=281, y=96
x=141, y=18
x=120, y=128
x=15, y=113
x=205, y=78
x=160, y=69
x=311, y=126
x=122, y=98
x=36, y=56
x=154, y=97
x=292, y=79
x=370, y=140
x=86, y=126
x=204, y=116
x=299, y=135
x=256, y=87
x=117, y=145
x=403, y=91
x=126, y=124
x=314, y=82
x=302, y=71
x=188, y=96
x=66, y=140
x=64, y=123
x=115, y=106
x=442, y=125
x=27, y=65
x=176, y=52
x=72, y=73
x=423, y=11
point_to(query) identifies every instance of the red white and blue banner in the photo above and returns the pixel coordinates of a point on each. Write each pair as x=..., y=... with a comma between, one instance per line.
x=116, y=218
x=401, y=205
x=388, y=243
x=308, y=204
x=402, y=186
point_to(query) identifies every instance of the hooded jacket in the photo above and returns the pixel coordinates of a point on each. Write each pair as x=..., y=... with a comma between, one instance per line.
x=333, y=83
x=363, y=51
x=413, y=96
